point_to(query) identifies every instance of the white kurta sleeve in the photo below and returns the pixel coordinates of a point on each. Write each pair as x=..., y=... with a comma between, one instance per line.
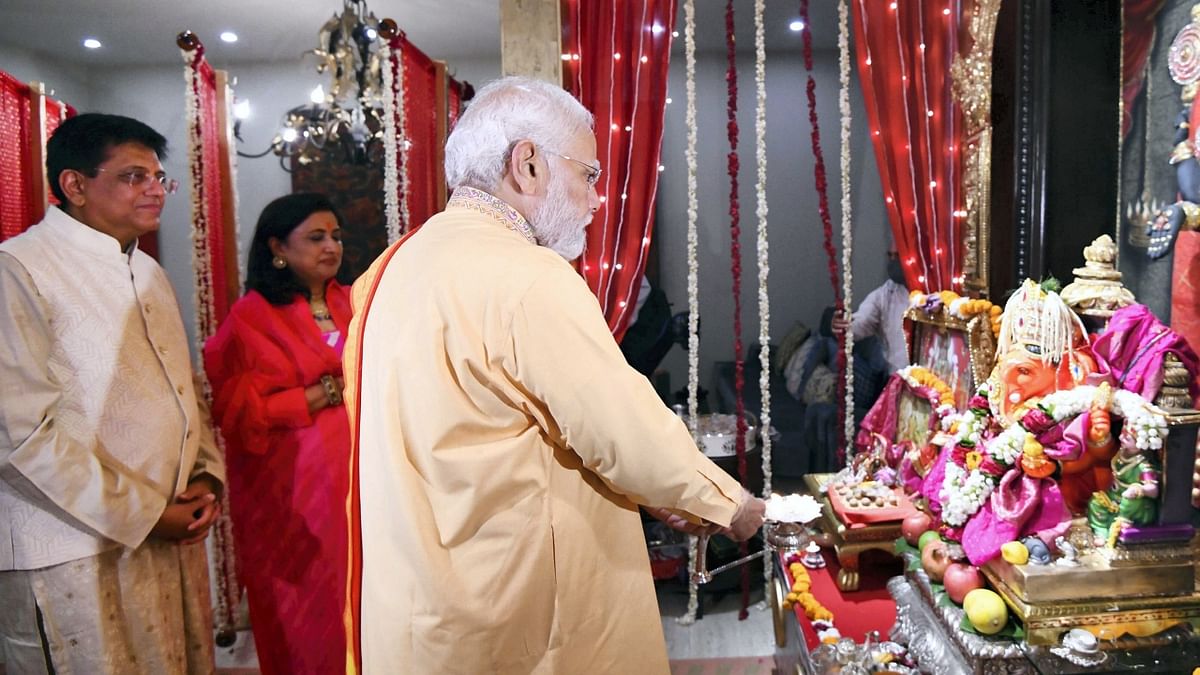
x=607, y=412
x=48, y=467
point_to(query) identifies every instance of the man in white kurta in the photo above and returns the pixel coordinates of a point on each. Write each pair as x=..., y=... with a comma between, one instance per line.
x=107, y=460
x=503, y=442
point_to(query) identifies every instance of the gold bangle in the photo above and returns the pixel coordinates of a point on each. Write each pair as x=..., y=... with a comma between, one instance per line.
x=333, y=396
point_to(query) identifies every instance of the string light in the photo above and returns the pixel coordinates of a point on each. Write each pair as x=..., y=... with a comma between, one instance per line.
x=661, y=167
x=668, y=100
x=615, y=127
x=624, y=196
x=657, y=29
x=645, y=59
x=628, y=128
x=618, y=266
x=617, y=56
x=575, y=57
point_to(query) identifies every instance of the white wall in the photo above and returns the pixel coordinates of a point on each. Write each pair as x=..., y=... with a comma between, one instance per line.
x=799, y=286
x=63, y=81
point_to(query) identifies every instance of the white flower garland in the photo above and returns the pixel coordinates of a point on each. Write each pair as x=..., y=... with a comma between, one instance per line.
x=764, y=268
x=227, y=585
x=689, y=33
x=964, y=491
x=847, y=234
x=392, y=102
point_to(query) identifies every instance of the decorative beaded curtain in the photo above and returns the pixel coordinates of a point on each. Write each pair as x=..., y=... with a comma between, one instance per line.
x=619, y=54
x=16, y=198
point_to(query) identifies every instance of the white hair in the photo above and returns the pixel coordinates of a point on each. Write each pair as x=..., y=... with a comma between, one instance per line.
x=503, y=113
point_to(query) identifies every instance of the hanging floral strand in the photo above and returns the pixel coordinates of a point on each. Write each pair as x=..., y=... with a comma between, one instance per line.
x=823, y=200
x=735, y=254
x=847, y=222
x=764, y=268
x=394, y=155
x=224, y=560
x=693, y=262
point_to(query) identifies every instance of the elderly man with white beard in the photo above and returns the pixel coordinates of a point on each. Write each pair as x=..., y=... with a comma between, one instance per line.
x=502, y=444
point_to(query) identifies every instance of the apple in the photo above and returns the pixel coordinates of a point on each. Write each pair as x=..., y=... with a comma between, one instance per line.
x=961, y=579
x=935, y=559
x=914, y=526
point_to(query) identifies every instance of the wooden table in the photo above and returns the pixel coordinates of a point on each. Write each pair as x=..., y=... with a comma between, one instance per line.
x=850, y=542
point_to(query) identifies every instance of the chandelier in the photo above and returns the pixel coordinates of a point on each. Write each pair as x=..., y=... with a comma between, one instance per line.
x=348, y=119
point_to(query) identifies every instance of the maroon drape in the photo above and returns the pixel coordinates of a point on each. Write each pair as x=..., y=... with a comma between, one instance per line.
x=16, y=194
x=903, y=54
x=624, y=50
x=1136, y=42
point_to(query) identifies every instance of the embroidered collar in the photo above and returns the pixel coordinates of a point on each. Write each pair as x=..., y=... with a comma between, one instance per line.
x=491, y=205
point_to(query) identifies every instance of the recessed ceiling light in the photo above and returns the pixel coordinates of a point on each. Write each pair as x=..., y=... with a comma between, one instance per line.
x=796, y=26
x=229, y=36
x=91, y=43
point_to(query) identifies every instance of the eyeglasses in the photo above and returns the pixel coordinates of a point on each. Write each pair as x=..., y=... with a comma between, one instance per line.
x=593, y=173
x=137, y=179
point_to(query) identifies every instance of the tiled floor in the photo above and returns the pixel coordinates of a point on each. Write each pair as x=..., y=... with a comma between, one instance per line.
x=717, y=634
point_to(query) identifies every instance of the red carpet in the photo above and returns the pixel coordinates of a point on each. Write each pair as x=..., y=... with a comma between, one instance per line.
x=855, y=613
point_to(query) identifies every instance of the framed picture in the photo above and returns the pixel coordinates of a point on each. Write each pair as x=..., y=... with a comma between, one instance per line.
x=960, y=352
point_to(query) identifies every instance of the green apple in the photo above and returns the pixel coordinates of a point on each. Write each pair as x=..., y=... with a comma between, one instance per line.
x=929, y=536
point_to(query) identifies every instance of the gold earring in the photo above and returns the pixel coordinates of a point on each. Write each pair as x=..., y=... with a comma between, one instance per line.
x=278, y=262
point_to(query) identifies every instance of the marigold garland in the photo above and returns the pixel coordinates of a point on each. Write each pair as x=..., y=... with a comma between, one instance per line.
x=960, y=307
x=802, y=595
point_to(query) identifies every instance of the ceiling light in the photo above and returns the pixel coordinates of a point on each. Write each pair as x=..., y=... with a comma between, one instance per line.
x=91, y=43
x=229, y=36
x=796, y=26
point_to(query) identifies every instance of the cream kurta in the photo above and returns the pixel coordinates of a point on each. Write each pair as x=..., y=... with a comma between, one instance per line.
x=100, y=428
x=504, y=443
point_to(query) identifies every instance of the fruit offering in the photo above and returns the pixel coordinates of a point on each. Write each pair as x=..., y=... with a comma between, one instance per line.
x=986, y=611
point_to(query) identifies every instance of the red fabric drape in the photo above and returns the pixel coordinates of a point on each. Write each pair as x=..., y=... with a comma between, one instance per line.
x=420, y=116
x=16, y=198
x=1136, y=41
x=624, y=50
x=903, y=54
x=423, y=170
x=56, y=113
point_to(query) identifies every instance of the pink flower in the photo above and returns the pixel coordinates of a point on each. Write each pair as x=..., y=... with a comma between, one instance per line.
x=1036, y=421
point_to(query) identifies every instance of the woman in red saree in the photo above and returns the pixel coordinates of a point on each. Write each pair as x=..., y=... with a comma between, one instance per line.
x=276, y=374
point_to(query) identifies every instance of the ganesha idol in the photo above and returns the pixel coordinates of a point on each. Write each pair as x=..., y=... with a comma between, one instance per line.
x=994, y=481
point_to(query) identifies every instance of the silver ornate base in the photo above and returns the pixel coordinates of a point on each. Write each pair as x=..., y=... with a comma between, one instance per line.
x=938, y=644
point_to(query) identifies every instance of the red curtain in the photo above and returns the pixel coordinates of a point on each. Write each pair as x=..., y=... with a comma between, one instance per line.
x=420, y=116
x=1136, y=42
x=16, y=195
x=56, y=113
x=904, y=50
x=422, y=168
x=617, y=57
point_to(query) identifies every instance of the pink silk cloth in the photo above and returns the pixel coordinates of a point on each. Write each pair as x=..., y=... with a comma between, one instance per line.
x=1133, y=347
x=1020, y=505
x=288, y=476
